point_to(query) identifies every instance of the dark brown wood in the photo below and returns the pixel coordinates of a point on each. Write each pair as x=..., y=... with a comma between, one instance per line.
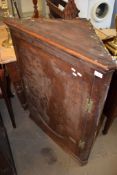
x=7, y=80
x=110, y=109
x=69, y=11
x=15, y=76
x=36, y=12
x=66, y=73
x=3, y=87
x=7, y=166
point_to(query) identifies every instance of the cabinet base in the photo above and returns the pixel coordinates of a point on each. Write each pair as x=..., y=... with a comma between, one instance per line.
x=63, y=143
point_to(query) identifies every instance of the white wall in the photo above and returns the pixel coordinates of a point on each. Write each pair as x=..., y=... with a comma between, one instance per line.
x=27, y=5
x=83, y=5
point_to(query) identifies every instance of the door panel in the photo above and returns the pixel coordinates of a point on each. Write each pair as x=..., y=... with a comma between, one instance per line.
x=55, y=89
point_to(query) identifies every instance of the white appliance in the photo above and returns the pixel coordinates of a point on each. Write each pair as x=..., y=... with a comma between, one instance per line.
x=82, y=6
x=98, y=11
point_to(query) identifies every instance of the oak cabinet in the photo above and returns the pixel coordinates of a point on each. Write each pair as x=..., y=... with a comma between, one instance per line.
x=67, y=73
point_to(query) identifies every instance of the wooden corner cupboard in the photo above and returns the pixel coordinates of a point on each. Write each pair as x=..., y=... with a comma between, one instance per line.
x=67, y=73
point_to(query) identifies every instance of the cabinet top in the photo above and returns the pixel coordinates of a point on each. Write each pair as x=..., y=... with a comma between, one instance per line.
x=76, y=37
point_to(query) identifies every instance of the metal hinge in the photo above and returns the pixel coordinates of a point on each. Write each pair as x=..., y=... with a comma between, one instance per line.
x=81, y=144
x=89, y=105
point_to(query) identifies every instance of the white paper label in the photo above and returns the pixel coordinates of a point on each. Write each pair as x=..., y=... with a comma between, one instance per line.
x=74, y=70
x=79, y=74
x=74, y=74
x=98, y=74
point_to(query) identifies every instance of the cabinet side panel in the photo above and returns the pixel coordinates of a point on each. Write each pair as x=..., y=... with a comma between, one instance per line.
x=98, y=97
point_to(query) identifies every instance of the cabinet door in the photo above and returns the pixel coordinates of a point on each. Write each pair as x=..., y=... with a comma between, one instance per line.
x=57, y=90
x=64, y=97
